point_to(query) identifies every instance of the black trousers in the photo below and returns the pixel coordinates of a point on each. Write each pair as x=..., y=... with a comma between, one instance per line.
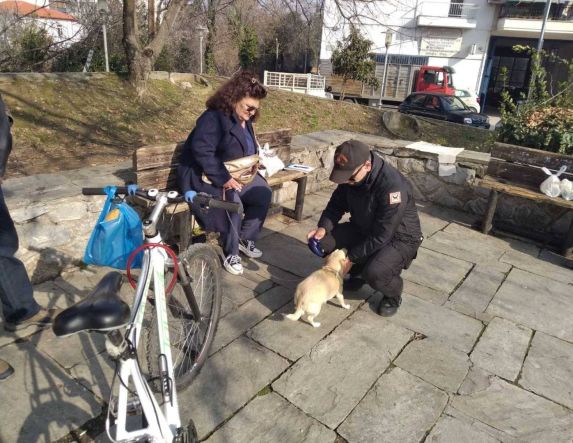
x=383, y=268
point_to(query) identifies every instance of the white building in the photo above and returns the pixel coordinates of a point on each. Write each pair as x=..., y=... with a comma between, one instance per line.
x=61, y=26
x=475, y=38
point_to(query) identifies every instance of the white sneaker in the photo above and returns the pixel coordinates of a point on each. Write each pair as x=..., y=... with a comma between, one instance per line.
x=233, y=264
x=249, y=249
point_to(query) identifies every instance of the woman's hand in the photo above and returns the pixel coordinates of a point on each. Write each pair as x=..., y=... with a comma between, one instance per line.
x=317, y=233
x=233, y=184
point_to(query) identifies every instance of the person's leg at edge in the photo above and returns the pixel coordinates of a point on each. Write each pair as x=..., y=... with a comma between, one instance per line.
x=256, y=199
x=16, y=291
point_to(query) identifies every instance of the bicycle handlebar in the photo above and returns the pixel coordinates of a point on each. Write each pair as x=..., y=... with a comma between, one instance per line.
x=201, y=199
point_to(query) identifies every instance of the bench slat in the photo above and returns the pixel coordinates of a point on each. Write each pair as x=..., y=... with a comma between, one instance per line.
x=274, y=138
x=516, y=173
x=519, y=191
x=149, y=157
x=532, y=157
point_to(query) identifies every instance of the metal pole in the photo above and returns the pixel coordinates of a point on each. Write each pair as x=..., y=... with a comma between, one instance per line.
x=105, y=47
x=277, y=55
x=200, y=53
x=540, y=43
x=383, y=86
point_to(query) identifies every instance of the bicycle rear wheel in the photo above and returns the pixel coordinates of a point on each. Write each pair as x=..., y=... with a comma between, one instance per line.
x=190, y=338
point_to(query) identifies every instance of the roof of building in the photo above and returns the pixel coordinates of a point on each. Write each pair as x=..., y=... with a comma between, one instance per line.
x=25, y=8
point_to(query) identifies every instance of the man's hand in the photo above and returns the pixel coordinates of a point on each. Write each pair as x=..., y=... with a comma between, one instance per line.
x=346, y=265
x=317, y=233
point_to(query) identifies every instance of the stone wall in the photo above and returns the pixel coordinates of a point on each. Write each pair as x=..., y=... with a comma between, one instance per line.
x=54, y=220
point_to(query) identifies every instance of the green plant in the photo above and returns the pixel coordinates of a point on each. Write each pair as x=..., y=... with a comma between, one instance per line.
x=32, y=47
x=248, y=47
x=540, y=120
x=352, y=60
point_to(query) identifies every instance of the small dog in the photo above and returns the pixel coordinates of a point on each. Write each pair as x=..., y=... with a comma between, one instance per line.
x=319, y=287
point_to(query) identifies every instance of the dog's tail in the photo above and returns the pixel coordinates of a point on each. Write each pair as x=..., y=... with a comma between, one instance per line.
x=295, y=315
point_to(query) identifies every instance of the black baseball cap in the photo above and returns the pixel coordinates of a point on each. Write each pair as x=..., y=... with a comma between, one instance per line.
x=347, y=157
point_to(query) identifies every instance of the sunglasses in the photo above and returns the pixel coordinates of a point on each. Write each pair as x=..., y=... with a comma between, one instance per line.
x=352, y=178
x=250, y=109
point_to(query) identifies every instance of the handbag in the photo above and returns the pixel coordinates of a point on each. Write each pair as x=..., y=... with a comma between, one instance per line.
x=242, y=169
x=270, y=161
x=116, y=234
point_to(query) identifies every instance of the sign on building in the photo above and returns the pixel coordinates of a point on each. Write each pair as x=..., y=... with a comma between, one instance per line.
x=440, y=42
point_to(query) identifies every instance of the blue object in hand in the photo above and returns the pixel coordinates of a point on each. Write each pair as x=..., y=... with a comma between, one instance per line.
x=315, y=247
x=131, y=189
x=189, y=196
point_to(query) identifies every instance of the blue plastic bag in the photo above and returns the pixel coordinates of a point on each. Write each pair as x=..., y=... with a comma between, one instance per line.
x=116, y=235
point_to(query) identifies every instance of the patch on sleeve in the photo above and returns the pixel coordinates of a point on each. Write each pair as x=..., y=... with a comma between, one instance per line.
x=395, y=197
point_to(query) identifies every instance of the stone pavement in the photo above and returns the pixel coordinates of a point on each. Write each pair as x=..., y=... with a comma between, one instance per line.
x=480, y=351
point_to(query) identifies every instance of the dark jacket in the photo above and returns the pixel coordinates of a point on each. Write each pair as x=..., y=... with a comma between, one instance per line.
x=5, y=137
x=217, y=138
x=382, y=208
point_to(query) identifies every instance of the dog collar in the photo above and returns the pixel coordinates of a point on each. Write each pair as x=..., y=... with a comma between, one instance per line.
x=339, y=278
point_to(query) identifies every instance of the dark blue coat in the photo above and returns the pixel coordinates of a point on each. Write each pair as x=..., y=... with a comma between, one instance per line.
x=217, y=138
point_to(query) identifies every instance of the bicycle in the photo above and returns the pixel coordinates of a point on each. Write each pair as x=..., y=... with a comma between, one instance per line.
x=181, y=322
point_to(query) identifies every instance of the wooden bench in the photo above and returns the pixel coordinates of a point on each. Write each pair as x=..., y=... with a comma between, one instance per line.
x=156, y=167
x=516, y=171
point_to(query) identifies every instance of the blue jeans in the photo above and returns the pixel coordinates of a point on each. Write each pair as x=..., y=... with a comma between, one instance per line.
x=16, y=292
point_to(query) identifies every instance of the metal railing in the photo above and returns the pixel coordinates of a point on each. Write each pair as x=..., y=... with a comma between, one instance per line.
x=451, y=9
x=295, y=82
x=534, y=11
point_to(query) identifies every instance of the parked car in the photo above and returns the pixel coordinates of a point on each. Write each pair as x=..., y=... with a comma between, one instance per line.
x=442, y=107
x=471, y=100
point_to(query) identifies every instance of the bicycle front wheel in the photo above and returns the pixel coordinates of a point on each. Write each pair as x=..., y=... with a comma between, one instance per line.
x=190, y=337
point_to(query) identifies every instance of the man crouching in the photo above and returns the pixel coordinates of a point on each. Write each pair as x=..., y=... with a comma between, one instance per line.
x=383, y=234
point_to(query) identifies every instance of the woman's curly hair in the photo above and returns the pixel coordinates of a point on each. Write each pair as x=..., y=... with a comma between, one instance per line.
x=241, y=85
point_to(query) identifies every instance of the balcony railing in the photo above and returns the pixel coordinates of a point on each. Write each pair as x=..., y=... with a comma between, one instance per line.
x=534, y=11
x=452, y=9
x=295, y=82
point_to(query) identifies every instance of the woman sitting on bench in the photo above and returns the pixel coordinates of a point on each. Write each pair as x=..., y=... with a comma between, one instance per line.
x=224, y=132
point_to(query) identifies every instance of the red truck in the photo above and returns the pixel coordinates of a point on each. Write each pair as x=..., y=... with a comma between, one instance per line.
x=401, y=81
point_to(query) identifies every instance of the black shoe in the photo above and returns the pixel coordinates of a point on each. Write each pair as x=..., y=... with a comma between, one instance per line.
x=353, y=284
x=388, y=306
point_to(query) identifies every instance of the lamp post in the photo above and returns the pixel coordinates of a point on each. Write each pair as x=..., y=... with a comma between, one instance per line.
x=387, y=43
x=540, y=43
x=103, y=10
x=202, y=30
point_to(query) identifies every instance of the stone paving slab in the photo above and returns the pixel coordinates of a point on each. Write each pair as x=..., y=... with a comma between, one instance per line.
x=436, y=363
x=293, y=339
x=432, y=295
x=453, y=430
x=294, y=256
x=248, y=315
x=537, y=266
x=437, y=322
x=539, y=303
x=41, y=402
x=270, y=418
x=399, y=408
x=502, y=348
x=263, y=272
x=436, y=271
x=228, y=380
x=431, y=224
x=329, y=382
x=548, y=369
x=517, y=412
x=476, y=292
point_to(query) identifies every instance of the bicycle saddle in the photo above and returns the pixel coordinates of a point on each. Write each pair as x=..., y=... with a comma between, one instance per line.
x=101, y=310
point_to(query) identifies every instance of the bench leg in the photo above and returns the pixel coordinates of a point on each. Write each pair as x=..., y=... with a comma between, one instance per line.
x=185, y=228
x=300, y=193
x=489, y=213
x=568, y=247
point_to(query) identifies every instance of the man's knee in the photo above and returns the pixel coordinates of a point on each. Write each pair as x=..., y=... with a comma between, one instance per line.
x=379, y=275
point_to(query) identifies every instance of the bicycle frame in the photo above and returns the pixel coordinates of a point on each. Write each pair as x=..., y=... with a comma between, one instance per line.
x=162, y=424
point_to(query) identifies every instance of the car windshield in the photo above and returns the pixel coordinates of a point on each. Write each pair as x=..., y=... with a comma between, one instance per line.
x=452, y=103
x=462, y=93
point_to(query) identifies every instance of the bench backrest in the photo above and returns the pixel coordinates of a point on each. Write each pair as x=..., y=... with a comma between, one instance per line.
x=522, y=166
x=156, y=166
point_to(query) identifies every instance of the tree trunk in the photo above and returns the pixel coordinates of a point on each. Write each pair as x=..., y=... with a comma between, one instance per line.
x=343, y=88
x=141, y=59
x=212, y=6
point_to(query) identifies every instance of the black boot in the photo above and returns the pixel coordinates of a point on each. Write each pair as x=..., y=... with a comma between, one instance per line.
x=353, y=284
x=388, y=306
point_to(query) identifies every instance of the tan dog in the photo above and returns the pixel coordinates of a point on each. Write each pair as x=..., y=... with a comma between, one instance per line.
x=319, y=287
